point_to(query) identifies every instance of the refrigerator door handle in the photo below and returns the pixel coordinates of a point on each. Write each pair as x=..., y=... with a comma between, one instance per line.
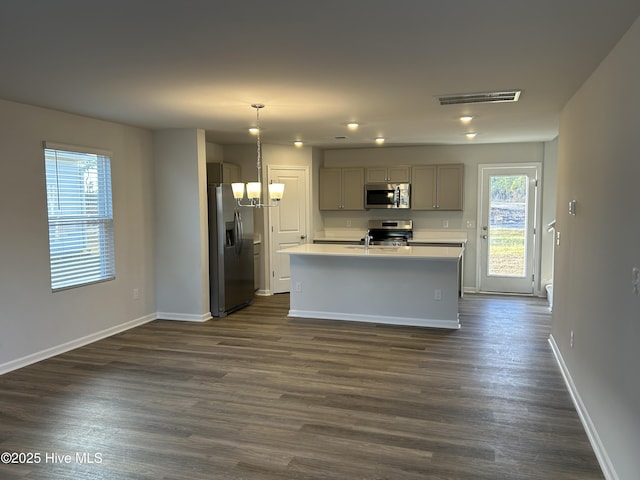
x=239, y=232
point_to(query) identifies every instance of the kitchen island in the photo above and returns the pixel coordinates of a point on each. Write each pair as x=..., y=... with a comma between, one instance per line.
x=380, y=284
x=420, y=237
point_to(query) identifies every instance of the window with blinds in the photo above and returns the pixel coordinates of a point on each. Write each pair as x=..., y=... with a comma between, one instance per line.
x=80, y=214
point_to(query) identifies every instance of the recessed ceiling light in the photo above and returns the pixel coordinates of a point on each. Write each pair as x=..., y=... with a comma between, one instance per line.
x=352, y=125
x=466, y=118
x=471, y=135
x=298, y=143
x=253, y=130
x=380, y=140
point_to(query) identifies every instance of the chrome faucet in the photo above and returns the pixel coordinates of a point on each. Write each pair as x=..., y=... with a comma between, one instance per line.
x=367, y=239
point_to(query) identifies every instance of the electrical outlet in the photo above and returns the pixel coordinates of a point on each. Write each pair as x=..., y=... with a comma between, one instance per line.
x=136, y=294
x=298, y=286
x=571, y=339
x=348, y=223
x=437, y=294
x=635, y=280
x=557, y=238
x=445, y=223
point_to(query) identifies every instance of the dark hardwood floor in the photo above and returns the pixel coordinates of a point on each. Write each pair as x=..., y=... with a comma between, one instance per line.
x=260, y=396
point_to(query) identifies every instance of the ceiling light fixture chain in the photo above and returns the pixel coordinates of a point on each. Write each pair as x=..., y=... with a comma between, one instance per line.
x=258, y=106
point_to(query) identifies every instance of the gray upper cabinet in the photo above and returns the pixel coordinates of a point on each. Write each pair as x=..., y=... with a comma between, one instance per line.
x=223, y=172
x=399, y=174
x=341, y=188
x=437, y=187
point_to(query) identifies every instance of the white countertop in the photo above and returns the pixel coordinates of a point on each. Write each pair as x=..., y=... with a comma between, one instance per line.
x=378, y=251
x=427, y=236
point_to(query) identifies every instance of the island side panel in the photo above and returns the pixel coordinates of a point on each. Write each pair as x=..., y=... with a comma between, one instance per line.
x=375, y=289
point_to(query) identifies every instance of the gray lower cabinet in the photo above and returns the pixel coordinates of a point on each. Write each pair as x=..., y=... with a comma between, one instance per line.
x=257, y=248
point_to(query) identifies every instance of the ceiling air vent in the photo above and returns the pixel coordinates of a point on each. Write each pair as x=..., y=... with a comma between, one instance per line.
x=487, y=97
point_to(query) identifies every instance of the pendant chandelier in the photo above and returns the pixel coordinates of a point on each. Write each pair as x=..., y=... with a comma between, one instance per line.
x=254, y=189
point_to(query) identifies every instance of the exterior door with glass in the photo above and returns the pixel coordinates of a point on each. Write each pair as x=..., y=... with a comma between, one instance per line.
x=508, y=218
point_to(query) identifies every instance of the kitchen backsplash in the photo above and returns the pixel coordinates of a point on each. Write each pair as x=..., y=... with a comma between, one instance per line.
x=421, y=220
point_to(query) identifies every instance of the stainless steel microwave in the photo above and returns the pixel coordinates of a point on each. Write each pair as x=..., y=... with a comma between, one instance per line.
x=386, y=195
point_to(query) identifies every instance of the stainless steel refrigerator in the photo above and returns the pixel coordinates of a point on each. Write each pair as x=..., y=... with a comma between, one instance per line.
x=231, y=284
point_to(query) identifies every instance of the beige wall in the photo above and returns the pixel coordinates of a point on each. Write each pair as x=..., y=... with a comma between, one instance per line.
x=34, y=322
x=182, y=242
x=599, y=167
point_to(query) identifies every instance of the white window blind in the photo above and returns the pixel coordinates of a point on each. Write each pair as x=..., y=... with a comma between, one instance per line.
x=80, y=213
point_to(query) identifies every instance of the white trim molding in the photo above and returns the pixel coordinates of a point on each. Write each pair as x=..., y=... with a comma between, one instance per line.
x=596, y=443
x=385, y=319
x=73, y=344
x=184, y=317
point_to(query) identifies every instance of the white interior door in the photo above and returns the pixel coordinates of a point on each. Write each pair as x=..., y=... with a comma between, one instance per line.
x=507, y=251
x=288, y=222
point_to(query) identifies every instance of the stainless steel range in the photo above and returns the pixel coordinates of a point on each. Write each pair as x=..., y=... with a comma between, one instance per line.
x=390, y=232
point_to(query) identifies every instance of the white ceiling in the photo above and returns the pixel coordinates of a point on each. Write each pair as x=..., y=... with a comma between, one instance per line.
x=316, y=65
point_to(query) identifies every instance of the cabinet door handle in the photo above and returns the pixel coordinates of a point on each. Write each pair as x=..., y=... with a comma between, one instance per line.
x=302, y=237
x=484, y=237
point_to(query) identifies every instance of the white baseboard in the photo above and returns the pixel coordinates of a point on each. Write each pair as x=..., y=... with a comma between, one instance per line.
x=598, y=447
x=73, y=344
x=354, y=317
x=184, y=317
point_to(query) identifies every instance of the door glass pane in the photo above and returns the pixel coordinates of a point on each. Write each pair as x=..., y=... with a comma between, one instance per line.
x=507, y=225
